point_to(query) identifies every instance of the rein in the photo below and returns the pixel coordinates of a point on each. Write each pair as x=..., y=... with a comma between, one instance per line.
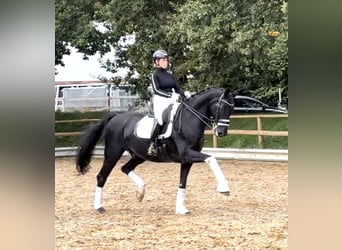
x=199, y=115
x=202, y=118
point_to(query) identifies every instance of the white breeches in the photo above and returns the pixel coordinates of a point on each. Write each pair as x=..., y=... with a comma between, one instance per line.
x=159, y=105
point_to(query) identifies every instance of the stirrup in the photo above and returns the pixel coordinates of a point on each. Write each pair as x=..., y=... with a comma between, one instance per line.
x=151, y=151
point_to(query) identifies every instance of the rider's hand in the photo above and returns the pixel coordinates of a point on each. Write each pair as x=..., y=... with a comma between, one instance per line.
x=175, y=97
x=187, y=94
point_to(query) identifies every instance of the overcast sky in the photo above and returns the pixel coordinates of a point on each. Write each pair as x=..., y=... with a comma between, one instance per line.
x=77, y=69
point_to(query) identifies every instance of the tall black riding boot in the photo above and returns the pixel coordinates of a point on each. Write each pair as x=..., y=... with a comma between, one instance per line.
x=152, y=149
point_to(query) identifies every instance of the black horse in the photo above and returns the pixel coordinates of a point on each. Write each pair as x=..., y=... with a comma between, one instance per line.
x=209, y=108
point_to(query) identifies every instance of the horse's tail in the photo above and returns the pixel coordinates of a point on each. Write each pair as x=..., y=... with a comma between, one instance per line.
x=88, y=142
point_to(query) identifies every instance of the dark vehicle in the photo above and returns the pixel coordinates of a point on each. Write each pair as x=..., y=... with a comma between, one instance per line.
x=246, y=105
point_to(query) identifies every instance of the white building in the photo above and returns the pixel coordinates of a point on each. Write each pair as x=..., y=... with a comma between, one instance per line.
x=77, y=84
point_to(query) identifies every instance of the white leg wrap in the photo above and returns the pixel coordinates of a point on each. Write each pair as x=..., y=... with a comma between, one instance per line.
x=140, y=183
x=220, y=178
x=136, y=179
x=98, y=198
x=180, y=208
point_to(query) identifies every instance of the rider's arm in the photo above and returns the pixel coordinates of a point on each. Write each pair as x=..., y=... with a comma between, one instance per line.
x=179, y=90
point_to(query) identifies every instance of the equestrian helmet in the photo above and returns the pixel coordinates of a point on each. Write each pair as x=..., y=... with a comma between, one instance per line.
x=160, y=54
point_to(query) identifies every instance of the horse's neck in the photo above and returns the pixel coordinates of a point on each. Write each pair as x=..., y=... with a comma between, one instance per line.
x=200, y=111
x=203, y=102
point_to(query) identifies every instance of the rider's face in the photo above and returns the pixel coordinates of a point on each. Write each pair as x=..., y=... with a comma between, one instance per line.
x=162, y=63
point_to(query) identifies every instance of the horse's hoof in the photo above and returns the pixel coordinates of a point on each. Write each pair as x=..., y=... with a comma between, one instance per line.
x=140, y=194
x=225, y=193
x=182, y=211
x=223, y=187
x=101, y=210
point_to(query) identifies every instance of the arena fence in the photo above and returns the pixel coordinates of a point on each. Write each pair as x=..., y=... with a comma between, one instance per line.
x=220, y=153
x=278, y=155
x=258, y=132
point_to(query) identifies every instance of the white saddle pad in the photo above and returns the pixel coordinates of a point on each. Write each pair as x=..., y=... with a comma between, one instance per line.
x=144, y=126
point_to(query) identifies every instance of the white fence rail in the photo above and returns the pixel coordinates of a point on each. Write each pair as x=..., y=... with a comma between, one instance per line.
x=278, y=155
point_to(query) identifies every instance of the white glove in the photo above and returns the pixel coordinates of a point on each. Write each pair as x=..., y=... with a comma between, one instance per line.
x=187, y=94
x=175, y=97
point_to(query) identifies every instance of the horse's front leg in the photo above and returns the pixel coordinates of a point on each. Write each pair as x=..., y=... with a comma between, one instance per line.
x=195, y=156
x=184, y=172
x=222, y=183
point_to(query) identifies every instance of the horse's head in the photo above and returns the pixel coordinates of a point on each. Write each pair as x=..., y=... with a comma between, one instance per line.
x=222, y=109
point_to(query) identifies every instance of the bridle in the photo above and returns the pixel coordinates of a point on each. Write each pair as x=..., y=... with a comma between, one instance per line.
x=221, y=122
x=210, y=122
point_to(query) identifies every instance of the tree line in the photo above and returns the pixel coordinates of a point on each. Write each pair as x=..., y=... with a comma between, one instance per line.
x=236, y=44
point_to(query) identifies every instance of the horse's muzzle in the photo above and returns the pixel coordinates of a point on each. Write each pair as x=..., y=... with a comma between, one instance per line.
x=222, y=127
x=220, y=132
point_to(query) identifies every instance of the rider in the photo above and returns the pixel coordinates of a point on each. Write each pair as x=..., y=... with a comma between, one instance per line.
x=166, y=91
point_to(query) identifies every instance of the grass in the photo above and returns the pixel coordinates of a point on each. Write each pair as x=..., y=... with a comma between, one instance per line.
x=230, y=141
x=251, y=141
x=69, y=141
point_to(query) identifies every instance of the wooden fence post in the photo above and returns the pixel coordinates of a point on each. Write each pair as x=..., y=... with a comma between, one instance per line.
x=259, y=124
x=214, y=141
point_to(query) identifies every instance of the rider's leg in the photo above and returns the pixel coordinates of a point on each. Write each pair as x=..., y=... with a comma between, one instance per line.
x=152, y=149
x=159, y=105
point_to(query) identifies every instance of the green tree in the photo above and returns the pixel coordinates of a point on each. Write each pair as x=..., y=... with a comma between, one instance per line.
x=76, y=25
x=238, y=44
x=144, y=19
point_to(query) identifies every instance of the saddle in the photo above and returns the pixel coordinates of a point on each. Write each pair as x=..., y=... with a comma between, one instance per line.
x=144, y=126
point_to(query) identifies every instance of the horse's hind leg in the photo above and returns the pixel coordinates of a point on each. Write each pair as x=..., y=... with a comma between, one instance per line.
x=110, y=159
x=128, y=169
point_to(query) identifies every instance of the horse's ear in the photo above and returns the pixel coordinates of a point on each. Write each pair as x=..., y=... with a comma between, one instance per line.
x=229, y=95
x=235, y=92
x=226, y=92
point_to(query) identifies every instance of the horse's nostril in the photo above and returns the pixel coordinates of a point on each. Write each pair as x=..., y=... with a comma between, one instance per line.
x=221, y=133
